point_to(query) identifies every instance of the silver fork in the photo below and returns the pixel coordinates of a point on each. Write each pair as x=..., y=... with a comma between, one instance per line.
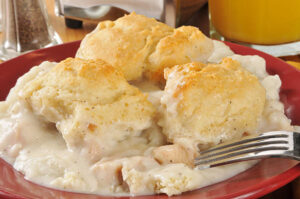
x=266, y=145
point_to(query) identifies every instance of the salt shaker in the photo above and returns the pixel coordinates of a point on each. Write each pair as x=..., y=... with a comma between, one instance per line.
x=25, y=28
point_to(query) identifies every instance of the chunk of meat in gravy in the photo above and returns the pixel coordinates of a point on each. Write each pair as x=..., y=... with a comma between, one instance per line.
x=109, y=174
x=174, y=153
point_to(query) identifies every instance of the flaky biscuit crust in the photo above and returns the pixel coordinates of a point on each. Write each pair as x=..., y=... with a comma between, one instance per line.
x=185, y=45
x=213, y=103
x=91, y=104
x=143, y=47
x=125, y=43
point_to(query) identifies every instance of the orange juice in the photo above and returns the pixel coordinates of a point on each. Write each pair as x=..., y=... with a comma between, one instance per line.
x=257, y=21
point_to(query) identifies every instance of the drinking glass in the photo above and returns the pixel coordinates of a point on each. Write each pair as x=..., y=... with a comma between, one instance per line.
x=272, y=26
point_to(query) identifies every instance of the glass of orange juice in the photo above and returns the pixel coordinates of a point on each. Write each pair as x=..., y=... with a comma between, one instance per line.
x=269, y=25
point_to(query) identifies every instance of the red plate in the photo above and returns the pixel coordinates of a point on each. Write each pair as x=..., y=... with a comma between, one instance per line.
x=261, y=179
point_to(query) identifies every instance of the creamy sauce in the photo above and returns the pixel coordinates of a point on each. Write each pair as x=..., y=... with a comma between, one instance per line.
x=38, y=150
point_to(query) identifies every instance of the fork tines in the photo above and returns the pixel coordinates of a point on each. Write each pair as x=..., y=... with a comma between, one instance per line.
x=270, y=144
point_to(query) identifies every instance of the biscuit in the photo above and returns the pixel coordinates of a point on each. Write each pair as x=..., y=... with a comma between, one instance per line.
x=187, y=44
x=91, y=104
x=124, y=43
x=143, y=47
x=211, y=103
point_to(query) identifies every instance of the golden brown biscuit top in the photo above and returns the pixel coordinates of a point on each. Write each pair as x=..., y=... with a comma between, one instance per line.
x=90, y=81
x=214, y=102
x=124, y=43
x=185, y=45
x=141, y=46
x=91, y=103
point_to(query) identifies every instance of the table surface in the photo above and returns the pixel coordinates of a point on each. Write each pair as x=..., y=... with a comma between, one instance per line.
x=197, y=18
